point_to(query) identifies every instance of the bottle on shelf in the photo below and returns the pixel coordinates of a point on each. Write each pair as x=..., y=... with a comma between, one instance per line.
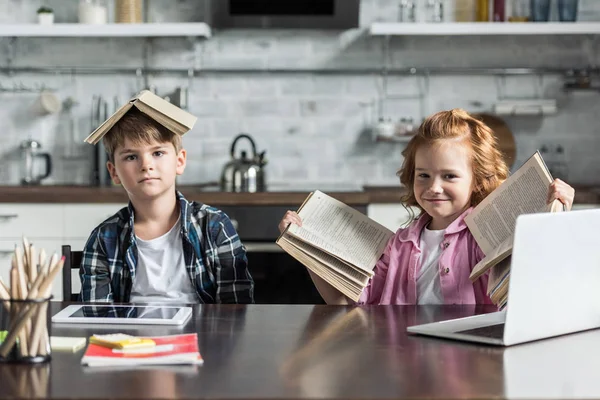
x=499, y=11
x=482, y=10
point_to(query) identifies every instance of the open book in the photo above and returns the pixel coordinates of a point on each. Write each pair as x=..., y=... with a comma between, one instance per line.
x=492, y=222
x=171, y=117
x=336, y=242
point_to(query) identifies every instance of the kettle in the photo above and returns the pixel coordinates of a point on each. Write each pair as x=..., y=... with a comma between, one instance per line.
x=30, y=153
x=244, y=174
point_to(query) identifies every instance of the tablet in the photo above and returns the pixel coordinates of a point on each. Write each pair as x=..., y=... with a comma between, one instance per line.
x=114, y=314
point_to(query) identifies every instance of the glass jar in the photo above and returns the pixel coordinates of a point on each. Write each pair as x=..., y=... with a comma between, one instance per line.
x=540, y=10
x=129, y=11
x=92, y=12
x=407, y=11
x=435, y=11
x=567, y=10
x=519, y=11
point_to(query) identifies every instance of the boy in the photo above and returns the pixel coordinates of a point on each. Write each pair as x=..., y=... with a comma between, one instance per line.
x=161, y=247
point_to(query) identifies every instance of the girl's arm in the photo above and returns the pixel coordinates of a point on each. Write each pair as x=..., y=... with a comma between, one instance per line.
x=330, y=294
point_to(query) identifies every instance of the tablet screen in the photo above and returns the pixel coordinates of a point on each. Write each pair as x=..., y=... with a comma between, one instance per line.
x=126, y=312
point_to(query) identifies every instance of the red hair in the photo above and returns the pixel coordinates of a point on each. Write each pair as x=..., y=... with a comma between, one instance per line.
x=489, y=168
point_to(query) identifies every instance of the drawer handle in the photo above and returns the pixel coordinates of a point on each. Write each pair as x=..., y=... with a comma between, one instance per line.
x=8, y=216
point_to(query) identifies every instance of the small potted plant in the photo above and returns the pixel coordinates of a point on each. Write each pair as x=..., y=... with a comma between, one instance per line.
x=45, y=16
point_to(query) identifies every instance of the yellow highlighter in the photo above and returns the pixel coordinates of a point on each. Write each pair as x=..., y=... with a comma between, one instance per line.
x=122, y=341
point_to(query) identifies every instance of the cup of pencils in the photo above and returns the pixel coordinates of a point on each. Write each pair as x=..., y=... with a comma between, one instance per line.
x=24, y=310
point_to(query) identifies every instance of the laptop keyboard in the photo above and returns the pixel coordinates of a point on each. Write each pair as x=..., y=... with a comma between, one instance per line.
x=491, y=331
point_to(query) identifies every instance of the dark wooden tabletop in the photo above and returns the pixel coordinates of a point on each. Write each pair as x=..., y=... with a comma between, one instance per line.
x=321, y=352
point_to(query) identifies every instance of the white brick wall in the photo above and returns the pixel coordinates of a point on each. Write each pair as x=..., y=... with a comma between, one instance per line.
x=314, y=127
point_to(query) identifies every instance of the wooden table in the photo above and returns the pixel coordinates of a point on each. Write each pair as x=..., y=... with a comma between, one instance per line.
x=322, y=352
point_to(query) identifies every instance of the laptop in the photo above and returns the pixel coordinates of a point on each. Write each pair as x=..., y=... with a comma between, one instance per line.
x=553, y=288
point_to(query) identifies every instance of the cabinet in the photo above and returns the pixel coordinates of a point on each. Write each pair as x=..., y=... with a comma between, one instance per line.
x=49, y=227
x=392, y=216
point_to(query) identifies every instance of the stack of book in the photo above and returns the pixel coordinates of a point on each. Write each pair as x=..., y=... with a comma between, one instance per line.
x=492, y=222
x=162, y=350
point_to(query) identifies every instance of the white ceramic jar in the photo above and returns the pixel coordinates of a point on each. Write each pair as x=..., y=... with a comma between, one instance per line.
x=92, y=12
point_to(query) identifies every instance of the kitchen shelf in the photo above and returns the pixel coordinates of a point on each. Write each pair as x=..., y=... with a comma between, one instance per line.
x=195, y=29
x=484, y=28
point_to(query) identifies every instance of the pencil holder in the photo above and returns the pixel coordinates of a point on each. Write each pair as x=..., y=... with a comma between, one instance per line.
x=24, y=334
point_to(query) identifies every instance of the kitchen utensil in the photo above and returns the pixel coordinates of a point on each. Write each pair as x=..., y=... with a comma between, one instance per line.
x=526, y=107
x=244, y=174
x=506, y=140
x=30, y=153
x=100, y=175
x=47, y=103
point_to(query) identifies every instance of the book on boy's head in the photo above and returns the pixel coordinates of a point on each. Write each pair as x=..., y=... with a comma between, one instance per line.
x=493, y=221
x=336, y=242
x=160, y=110
x=173, y=349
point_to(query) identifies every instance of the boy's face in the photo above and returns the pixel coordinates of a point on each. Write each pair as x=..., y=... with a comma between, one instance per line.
x=147, y=170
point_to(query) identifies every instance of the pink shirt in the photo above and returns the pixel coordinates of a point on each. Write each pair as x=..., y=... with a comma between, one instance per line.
x=395, y=279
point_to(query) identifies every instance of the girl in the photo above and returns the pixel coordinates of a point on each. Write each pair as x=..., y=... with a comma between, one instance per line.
x=449, y=167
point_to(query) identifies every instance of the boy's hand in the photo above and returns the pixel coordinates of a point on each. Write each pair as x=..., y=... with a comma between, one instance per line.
x=290, y=217
x=561, y=191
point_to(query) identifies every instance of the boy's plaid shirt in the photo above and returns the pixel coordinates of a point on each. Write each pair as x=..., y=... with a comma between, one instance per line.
x=214, y=257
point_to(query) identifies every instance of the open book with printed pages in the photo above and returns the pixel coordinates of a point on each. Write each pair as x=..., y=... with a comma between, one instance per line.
x=171, y=117
x=336, y=242
x=492, y=222
x=173, y=349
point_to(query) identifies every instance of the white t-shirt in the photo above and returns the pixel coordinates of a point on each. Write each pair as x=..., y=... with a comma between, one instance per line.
x=429, y=290
x=161, y=275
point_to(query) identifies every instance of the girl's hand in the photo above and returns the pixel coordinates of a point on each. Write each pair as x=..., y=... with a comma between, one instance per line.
x=290, y=217
x=561, y=191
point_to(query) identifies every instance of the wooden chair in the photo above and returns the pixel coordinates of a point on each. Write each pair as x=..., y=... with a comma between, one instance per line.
x=72, y=261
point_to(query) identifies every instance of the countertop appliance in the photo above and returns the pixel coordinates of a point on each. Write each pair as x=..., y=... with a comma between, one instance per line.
x=244, y=174
x=30, y=154
x=294, y=14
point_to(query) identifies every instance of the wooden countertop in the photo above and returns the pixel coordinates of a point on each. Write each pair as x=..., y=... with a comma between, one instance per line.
x=90, y=194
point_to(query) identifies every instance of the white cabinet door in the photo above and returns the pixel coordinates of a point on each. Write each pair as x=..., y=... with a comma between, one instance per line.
x=7, y=248
x=392, y=216
x=31, y=220
x=585, y=206
x=81, y=219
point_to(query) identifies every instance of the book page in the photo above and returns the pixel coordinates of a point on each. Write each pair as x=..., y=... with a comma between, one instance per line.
x=329, y=275
x=498, y=254
x=169, y=110
x=100, y=131
x=339, y=229
x=498, y=273
x=524, y=192
x=358, y=276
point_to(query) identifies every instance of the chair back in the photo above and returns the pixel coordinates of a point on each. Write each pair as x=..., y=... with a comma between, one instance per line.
x=72, y=261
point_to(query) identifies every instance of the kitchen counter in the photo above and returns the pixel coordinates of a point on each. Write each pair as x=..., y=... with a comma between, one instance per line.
x=90, y=194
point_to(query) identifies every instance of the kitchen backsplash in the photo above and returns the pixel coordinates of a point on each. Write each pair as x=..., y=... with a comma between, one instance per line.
x=314, y=127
